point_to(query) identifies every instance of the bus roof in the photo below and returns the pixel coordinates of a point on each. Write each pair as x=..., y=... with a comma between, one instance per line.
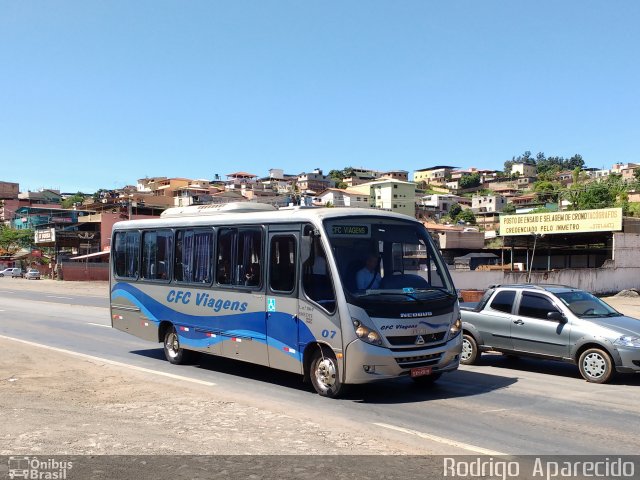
x=196, y=215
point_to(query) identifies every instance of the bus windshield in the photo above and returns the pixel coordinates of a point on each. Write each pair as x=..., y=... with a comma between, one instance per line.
x=391, y=258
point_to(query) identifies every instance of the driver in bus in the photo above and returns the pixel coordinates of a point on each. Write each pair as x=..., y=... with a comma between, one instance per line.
x=368, y=277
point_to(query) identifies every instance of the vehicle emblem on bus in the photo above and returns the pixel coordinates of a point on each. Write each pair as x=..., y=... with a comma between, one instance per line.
x=271, y=304
x=419, y=340
x=416, y=314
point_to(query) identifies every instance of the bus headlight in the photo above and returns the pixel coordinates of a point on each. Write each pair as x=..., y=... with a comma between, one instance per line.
x=366, y=334
x=455, y=329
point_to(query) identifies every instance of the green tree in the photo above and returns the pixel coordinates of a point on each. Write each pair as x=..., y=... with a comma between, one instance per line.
x=507, y=167
x=97, y=196
x=12, y=239
x=556, y=164
x=454, y=210
x=509, y=209
x=547, y=190
x=466, y=216
x=575, y=161
x=77, y=198
x=469, y=181
x=596, y=195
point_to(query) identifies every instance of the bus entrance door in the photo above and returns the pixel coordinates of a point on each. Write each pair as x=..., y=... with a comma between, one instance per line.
x=282, y=302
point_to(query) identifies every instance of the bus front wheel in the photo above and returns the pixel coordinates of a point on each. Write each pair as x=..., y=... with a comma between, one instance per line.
x=325, y=375
x=172, y=349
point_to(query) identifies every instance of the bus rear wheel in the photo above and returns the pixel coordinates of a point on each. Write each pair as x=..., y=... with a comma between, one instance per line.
x=325, y=375
x=172, y=350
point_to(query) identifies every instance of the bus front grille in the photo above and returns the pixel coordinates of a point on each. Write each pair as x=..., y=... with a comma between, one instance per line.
x=419, y=360
x=413, y=340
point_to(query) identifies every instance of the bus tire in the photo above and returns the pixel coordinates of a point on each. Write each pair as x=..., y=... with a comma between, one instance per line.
x=324, y=373
x=172, y=350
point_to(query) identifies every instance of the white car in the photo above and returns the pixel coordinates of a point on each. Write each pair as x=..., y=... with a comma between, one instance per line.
x=32, y=274
x=11, y=272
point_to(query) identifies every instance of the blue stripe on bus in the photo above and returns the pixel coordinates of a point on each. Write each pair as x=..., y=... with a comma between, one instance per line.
x=248, y=324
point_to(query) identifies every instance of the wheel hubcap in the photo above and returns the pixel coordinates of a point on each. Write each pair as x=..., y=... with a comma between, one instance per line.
x=594, y=365
x=172, y=345
x=466, y=350
x=326, y=373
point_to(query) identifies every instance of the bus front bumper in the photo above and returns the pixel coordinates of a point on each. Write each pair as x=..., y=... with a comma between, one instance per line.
x=367, y=363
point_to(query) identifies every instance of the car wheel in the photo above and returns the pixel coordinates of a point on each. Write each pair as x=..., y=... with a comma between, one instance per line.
x=596, y=365
x=172, y=349
x=427, y=380
x=470, y=353
x=325, y=375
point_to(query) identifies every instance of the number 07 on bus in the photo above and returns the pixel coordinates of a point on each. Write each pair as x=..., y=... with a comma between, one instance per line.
x=338, y=295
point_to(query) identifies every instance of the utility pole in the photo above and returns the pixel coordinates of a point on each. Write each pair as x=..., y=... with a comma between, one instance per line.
x=535, y=238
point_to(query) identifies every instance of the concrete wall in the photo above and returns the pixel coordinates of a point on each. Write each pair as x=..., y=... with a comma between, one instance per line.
x=595, y=280
x=625, y=249
x=78, y=271
x=458, y=239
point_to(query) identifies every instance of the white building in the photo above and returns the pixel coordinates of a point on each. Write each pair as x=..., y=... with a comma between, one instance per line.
x=487, y=203
x=524, y=169
x=343, y=198
x=440, y=202
x=393, y=195
x=314, y=181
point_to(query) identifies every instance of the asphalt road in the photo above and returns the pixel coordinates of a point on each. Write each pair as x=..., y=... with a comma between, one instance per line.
x=500, y=406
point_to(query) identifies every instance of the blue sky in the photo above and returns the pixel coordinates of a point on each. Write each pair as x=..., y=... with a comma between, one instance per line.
x=96, y=94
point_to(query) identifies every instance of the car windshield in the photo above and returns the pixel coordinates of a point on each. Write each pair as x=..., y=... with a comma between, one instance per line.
x=583, y=304
x=387, y=258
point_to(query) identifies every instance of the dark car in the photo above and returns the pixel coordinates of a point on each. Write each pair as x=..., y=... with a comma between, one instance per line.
x=554, y=322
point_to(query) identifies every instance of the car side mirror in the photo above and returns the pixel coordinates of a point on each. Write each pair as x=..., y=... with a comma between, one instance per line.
x=557, y=317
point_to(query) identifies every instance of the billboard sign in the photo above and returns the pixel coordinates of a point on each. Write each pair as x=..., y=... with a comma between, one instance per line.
x=45, y=235
x=576, y=221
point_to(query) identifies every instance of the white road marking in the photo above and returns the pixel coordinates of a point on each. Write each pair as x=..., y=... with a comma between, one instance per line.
x=496, y=410
x=56, y=296
x=446, y=441
x=99, y=325
x=110, y=362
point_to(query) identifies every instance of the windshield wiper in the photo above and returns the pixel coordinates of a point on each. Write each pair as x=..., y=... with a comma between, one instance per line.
x=395, y=294
x=436, y=289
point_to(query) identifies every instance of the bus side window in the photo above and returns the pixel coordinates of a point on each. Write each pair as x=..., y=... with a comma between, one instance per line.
x=193, y=254
x=282, y=264
x=127, y=254
x=223, y=264
x=249, y=252
x=156, y=252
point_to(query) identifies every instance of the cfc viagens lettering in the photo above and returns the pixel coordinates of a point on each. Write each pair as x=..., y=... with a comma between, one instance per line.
x=205, y=300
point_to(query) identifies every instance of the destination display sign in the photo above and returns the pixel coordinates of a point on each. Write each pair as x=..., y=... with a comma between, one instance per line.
x=577, y=221
x=350, y=230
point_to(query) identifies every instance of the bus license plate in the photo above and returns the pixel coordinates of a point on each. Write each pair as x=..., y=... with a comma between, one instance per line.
x=420, y=371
